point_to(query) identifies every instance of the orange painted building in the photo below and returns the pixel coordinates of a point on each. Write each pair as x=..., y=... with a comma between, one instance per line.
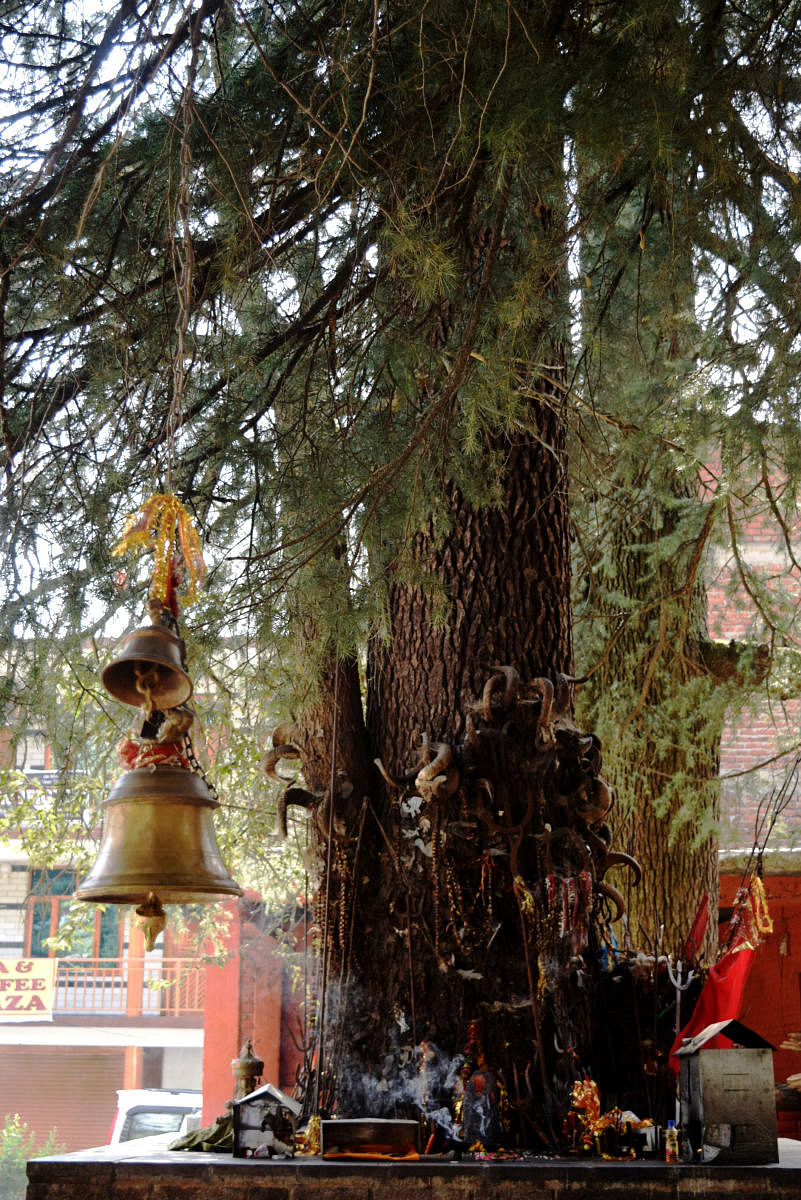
x=123, y=1017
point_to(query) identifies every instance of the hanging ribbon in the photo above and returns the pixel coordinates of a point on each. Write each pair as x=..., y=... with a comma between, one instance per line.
x=163, y=525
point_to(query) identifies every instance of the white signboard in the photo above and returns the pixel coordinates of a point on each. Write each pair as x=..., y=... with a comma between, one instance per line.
x=26, y=989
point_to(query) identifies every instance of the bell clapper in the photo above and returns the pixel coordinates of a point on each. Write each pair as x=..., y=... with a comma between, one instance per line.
x=162, y=725
x=151, y=918
x=177, y=724
x=146, y=682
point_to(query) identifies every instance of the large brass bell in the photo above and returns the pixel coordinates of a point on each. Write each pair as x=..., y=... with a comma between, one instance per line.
x=158, y=836
x=149, y=670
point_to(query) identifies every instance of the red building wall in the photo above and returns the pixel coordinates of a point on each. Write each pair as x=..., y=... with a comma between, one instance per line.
x=248, y=997
x=772, y=1001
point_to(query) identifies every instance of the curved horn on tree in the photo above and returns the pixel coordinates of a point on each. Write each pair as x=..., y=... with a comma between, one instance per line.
x=545, y=689
x=576, y=841
x=562, y=693
x=385, y=775
x=271, y=759
x=617, y=858
x=512, y=687
x=441, y=786
x=484, y=706
x=441, y=761
x=606, y=889
x=598, y=803
x=297, y=796
x=604, y=797
x=403, y=780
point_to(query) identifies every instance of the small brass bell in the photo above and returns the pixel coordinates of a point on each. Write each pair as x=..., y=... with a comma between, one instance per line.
x=158, y=836
x=149, y=671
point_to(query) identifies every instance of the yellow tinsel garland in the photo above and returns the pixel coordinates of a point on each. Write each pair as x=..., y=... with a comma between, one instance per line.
x=752, y=918
x=163, y=525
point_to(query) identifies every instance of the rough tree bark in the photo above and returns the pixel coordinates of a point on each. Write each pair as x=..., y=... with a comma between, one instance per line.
x=504, y=571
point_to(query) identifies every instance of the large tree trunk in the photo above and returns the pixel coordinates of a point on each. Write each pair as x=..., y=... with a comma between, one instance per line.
x=459, y=894
x=504, y=571
x=459, y=891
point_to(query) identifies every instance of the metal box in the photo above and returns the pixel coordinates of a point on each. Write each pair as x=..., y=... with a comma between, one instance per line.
x=369, y=1137
x=728, y=1105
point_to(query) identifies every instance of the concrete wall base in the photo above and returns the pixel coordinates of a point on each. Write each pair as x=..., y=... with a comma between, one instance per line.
x=101, y=1175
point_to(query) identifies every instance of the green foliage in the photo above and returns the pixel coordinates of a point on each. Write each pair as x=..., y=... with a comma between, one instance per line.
x=401, y=219
x=17, y=1145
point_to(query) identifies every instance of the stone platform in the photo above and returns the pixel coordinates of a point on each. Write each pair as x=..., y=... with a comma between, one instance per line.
x=119, y=1174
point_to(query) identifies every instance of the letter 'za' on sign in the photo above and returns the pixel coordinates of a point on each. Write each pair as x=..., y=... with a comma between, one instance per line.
x=26, y=989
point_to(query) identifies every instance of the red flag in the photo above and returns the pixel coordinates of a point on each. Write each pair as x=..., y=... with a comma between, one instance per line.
x=721, y=996
x=696, y=936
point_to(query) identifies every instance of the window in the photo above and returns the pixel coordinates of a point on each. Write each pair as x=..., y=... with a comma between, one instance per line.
x=31, y=753
x=144, y=1122
x=50, y=908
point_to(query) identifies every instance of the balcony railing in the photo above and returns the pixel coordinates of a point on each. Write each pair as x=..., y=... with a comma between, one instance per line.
x=132, y=987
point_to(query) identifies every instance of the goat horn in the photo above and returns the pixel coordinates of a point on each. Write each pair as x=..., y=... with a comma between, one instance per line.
x=599, y=804
x=562, y=697
x=297, y=796
x=545, y=689
x=445, y=785
x=603, y=795
x=512, y=687
x=484, y=706
x=273, y=757
x=437, y=765
x=606, y=889
x=616, y=858
x=385, y=775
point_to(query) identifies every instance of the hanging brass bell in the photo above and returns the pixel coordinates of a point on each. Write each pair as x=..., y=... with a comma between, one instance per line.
x=149, y=670
x=158, y=836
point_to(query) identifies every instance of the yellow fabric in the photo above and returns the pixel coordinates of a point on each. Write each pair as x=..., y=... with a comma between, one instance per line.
x=163, y=525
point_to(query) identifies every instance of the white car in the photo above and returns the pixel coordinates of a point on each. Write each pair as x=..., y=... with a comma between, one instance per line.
x=142, y=1112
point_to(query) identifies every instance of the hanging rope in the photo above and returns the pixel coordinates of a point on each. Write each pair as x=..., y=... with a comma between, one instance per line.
x=183, y=257
x=162, y=524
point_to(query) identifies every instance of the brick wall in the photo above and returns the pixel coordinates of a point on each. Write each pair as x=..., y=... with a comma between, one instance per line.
x=216, y=1177
x=752, y=761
